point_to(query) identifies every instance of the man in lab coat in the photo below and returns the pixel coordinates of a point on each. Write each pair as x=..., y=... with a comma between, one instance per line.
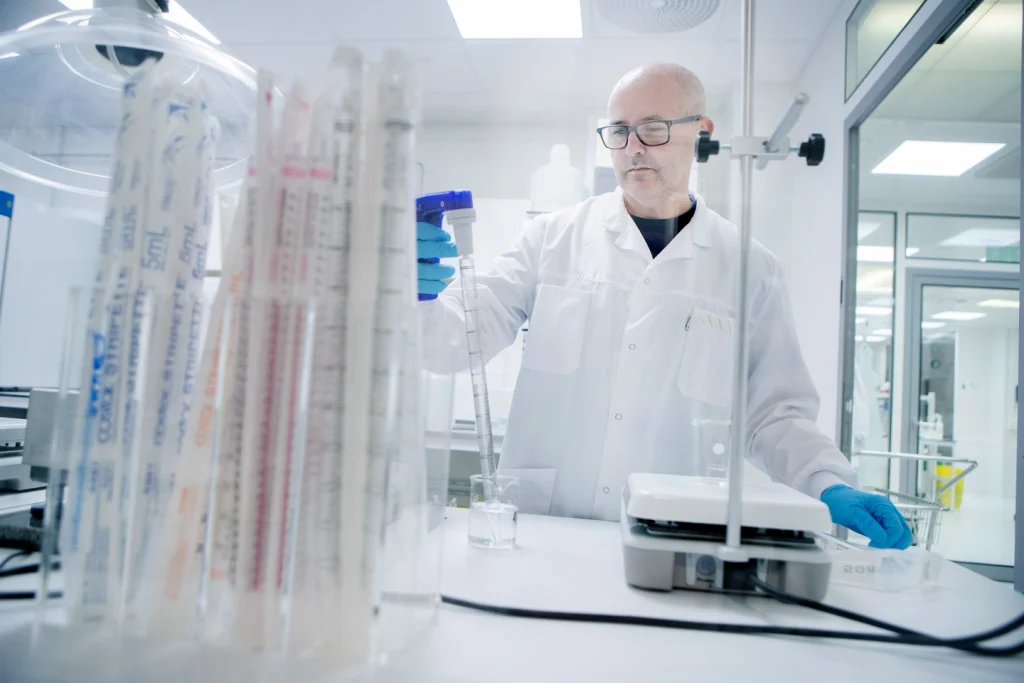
x=631, y=300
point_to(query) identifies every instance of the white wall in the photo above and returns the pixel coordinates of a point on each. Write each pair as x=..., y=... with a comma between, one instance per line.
x=495, y=161
x=817, y=219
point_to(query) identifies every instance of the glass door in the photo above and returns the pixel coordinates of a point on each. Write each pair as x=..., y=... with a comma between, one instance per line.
x=963, y=413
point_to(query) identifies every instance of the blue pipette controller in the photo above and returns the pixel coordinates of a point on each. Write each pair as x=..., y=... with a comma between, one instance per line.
x=457, y=207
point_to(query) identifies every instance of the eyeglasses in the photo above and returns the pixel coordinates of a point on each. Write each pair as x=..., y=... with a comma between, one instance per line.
x=649, y=133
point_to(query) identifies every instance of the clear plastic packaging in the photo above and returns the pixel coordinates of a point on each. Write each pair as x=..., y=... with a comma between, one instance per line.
x=881, y=569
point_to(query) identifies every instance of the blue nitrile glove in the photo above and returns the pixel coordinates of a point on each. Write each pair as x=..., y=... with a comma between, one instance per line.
x=869, y=515
x=433, y=244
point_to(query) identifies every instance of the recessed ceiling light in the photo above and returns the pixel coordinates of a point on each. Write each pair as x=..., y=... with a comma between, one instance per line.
x=517, y=18
x=1000, y=303
x=861, y=321
x=983, y=237
x=882, y=333
x=8, y=55
x=874, y=310
x=859, y=337
x=911, y=251
x=958, y=315
x=871, y=254
x=934, y=158
x=928, y=325
x=875, y=338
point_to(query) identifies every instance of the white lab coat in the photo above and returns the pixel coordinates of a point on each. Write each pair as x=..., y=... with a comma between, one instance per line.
x=623, y=352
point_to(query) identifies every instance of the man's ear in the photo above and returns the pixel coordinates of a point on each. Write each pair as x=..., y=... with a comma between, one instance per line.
x=708, y=125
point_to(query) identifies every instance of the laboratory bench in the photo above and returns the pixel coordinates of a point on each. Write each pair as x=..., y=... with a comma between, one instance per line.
x=574, y=565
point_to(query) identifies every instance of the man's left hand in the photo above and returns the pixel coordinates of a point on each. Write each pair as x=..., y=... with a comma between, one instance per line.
x=869, y=515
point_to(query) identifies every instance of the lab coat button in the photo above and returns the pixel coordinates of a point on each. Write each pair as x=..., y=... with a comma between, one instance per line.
x=605, y=489
x=647, y=280
x=618, y=416
x=632, y=346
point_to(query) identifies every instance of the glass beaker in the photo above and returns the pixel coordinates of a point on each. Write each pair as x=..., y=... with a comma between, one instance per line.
x=493, y=518
x=711, y=439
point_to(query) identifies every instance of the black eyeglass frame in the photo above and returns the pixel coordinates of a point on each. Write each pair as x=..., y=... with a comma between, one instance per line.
x=635, y=130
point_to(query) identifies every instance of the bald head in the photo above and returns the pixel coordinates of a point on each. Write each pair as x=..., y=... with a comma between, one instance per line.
x=653, y=169
x=676, y=83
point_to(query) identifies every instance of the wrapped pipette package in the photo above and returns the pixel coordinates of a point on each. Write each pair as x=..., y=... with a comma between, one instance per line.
x=140, y=343
x=260, y=482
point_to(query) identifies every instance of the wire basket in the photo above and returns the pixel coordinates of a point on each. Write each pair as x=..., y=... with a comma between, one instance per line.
x=922, y=516
x=923, y=513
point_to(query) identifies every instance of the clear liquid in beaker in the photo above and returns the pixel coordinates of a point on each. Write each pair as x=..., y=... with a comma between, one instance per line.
x=493, y=525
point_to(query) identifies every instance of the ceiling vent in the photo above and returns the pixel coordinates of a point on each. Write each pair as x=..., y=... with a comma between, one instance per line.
x=657, y=16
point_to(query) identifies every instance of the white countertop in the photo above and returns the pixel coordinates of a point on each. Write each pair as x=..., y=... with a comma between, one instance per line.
x=576, y=565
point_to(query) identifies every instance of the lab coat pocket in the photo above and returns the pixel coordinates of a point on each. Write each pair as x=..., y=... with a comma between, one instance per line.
x=706, y=369
x=556, y=329
x=536, y=488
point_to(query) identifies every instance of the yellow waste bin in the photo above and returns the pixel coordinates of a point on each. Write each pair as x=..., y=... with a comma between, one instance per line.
x=943, y=473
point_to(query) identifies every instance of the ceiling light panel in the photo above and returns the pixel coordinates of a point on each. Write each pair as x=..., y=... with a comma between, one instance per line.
x=935, y=158
x=961, y=316
x=511, y=19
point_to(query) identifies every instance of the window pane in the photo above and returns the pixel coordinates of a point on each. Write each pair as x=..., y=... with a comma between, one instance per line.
x=871, y=28
x=963, y=238
x=876, y=239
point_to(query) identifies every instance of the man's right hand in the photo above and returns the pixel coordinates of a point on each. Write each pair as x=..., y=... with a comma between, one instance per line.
x=433, y=244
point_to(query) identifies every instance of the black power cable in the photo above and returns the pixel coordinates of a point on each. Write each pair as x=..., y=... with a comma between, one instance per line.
x=19, y=571
x=13, y=556
x=966, y=643
x=27, y=569
x=900, y=635
x=27, y=595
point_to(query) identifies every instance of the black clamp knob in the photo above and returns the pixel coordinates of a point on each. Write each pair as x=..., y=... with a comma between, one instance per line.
x=814, y=149
x=706, y=147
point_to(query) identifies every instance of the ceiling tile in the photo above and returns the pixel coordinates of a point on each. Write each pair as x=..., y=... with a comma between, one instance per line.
x=265, y=21
x=774, y=61
x=939, y=97
x=779, y=20
x=1005, y=110
x=394, y=20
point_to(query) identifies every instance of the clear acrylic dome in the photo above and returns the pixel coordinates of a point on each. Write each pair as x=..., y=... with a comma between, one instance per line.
x=60, y=93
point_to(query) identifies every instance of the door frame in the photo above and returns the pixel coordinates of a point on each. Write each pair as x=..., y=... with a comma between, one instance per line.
x=933, y=18
x=916, y=280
